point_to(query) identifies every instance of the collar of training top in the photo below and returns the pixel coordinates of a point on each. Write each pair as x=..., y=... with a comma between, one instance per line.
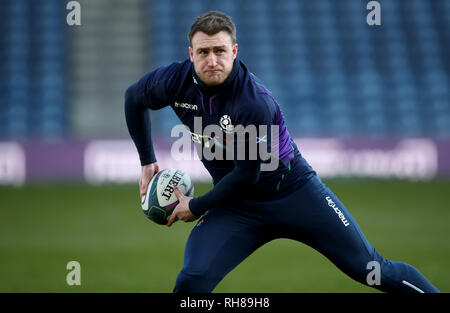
x=215, y=89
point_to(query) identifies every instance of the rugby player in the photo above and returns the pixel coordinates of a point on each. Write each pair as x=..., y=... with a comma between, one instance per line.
x=247, y=207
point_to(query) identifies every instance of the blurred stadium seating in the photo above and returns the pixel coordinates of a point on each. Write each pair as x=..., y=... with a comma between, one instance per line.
x=33, y=95
x=332, y=74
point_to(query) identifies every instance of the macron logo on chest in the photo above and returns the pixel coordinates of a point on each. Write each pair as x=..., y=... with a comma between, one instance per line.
x=186, y=106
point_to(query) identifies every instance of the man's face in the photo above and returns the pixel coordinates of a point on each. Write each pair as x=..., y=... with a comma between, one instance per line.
x=213, y=56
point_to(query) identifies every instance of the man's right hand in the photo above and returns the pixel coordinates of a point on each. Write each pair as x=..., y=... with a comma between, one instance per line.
x=147, y=173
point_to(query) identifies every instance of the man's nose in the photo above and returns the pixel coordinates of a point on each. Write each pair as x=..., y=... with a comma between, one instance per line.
x=212, y=60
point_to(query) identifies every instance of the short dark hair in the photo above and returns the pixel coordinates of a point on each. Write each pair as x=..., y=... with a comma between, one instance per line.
x=212, y=23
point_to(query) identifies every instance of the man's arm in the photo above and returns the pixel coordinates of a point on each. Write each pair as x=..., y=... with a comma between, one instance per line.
x=151, y=92
x=139, y=126
x=244, y=175
x=137, y=116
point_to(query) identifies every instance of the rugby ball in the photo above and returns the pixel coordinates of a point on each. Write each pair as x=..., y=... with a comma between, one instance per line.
x=160, y=200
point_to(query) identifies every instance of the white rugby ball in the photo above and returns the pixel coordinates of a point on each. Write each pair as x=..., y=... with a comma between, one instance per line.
x=160, y=200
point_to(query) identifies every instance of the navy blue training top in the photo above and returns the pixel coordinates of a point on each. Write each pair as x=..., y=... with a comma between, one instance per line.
x=240, y=100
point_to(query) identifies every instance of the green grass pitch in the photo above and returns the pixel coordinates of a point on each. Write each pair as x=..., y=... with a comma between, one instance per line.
x=43, y=227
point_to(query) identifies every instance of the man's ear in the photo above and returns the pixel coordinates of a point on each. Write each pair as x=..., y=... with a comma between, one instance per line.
x=191, y=54
x=235, y=50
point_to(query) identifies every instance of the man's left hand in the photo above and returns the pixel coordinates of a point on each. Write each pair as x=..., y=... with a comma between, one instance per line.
x=181, y=211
